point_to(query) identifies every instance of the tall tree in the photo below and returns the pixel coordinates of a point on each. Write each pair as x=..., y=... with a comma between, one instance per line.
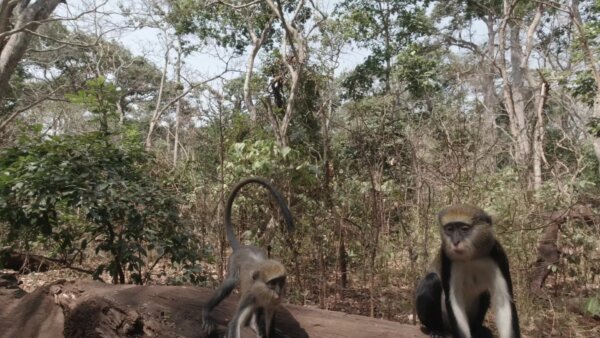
x=588, y=35
x=384, y=28
x=512, y=26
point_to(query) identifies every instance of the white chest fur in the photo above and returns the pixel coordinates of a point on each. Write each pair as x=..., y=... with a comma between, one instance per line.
x=468, y=280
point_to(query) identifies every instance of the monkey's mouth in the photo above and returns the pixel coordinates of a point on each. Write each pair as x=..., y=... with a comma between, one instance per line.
x=458, y=250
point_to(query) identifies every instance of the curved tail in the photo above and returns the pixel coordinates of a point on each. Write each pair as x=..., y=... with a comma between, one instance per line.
x=287, y=215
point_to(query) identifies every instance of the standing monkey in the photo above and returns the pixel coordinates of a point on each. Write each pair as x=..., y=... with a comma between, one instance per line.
x=261, y=280
x=470, y=272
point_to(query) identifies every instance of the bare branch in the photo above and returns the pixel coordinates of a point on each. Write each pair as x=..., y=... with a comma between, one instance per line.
x=75, y=44
x=36, y=23
x=239, y=6
x=530, y=32
x=17, y=112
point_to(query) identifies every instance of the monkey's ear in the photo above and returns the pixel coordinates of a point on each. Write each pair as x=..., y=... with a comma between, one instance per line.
x=255, y=274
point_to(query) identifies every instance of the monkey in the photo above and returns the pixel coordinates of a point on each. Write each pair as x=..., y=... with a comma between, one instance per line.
x=469, y=273
x=277, y=86
x=261, y=279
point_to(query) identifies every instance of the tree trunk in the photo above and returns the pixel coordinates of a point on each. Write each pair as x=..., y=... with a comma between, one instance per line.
x=295, y=62
x=257, y=43
x=26, y=16
x=538, y=140
x=519, y=120
x=596, y=115
x=591, y=63
x=177, y=105
x=490, y=101
x=376, y=172
x=157, y=110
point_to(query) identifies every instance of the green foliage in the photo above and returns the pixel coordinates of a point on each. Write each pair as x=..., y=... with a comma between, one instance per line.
x=376, y=132
x=211, y=21
x=419, y=67
x=460, y=11
x=50, y=186
x=385, y=29
x=268, y=159
x=592, y=305
x=100, y=97
x=584, y=87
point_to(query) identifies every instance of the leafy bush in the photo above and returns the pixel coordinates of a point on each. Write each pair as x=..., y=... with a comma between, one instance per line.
x=81, y=189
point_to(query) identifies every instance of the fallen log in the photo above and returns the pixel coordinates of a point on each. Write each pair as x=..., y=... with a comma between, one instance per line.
x=93, y=309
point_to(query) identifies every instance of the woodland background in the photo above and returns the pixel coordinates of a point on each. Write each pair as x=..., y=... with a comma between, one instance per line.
x=370, y=116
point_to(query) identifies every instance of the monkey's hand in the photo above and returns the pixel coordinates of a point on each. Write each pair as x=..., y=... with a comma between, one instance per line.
x=277, y=333
x=207, y=324
x=438, y=335
x=433, y=334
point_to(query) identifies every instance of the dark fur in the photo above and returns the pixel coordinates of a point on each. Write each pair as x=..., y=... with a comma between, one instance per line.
x=467, y=237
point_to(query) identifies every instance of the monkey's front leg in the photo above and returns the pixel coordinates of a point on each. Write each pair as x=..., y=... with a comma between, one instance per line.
x=456, y=309
x=223, y=291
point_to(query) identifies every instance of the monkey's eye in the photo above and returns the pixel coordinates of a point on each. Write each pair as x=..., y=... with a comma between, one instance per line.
x=465, y=228
x=276, y=283
x=448, y=229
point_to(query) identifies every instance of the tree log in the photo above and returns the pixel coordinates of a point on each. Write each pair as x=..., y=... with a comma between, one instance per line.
x=94, y=309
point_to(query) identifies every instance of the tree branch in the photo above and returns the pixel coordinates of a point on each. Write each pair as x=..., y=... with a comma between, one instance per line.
x=39, y=22
x=529, y=42
x=17, y=112
x=238, y=6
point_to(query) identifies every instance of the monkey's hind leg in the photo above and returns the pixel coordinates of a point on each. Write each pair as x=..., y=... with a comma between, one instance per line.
x=223, y=291
x=257, y=322
x=429, y=304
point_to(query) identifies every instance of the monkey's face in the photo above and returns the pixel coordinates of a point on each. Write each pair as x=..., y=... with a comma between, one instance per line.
x=270, y=280
x=276, y=287
x=465, y=241
x=269, y=293
x=466, y=231
x=456, y=237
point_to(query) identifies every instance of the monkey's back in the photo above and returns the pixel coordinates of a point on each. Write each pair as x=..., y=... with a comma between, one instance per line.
x=244, y=261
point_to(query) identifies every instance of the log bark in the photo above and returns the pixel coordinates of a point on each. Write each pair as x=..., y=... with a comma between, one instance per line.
x=94, y=309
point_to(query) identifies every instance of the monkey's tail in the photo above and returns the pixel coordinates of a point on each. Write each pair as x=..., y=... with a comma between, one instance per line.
x=287, y=215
